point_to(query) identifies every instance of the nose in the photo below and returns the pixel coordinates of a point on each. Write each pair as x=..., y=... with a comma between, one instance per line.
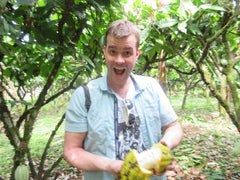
x=119, y=59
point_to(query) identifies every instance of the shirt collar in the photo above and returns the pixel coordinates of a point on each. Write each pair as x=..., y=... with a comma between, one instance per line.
x=104, y=85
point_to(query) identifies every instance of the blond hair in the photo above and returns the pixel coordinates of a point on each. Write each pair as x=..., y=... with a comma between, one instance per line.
x=123, y=28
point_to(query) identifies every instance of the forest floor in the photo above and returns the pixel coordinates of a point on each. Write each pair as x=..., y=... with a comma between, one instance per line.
x=206, y=149
x=205, y=152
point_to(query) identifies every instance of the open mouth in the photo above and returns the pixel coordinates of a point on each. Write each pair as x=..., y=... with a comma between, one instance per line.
x=119, y=71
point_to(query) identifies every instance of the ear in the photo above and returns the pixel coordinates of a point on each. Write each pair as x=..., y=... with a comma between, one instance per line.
x=104, y=50
x=138, y=53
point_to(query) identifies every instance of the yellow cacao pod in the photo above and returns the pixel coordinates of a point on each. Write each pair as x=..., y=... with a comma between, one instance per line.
x=141, y=166
x=21, y=173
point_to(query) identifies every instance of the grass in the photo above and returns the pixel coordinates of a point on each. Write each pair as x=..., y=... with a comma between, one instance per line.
x=45, y=124
x=205, y=152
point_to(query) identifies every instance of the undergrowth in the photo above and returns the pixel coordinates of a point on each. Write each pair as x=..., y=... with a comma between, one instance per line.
x=204, y=153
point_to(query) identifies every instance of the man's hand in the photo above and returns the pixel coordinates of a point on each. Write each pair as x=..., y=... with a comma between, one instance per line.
x=115, y=167
x=169, y=167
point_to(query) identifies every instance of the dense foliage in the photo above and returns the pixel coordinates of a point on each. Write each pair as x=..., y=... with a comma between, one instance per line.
x=49, y=47
x=195, y=37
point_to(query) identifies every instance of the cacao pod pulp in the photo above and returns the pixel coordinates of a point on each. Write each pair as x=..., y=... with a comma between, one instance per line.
x=141, y=166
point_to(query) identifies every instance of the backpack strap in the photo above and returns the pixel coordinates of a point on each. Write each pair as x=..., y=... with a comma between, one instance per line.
x=87, y=97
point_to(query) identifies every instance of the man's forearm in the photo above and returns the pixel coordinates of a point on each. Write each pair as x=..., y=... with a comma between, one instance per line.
x=86, y=161
x=173, y=135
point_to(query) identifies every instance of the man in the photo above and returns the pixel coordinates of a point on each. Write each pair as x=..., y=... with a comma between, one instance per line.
x=127, y=111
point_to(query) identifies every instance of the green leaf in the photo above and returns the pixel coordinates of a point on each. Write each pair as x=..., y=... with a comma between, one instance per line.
x=145, y=33
x=190, y=7
x=3, y=49
x=146, y=14
x=26, y=2
x=148, y=8
x=182, y=26
x=212, y=7
x=188, y=150
x=236, y=150
x=87, y=59
x=98, y=66
x=102, y=41
x=3, y=3
x=194, y=29
x=169, y=22
x=103, y=2
x=181, y=12
x=41, y=3
x=196, y=156
x=6, y=26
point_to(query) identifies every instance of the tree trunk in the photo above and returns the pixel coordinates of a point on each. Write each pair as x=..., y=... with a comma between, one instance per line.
x=223, y=93
x=162, y=75
x=184, y=98
x=207, y=94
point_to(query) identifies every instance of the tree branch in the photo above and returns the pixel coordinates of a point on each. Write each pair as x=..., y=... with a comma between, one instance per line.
x=181, y=55
x=229, y=23
x=44, y=155
x=5, y=117
x=58, y=61
x=192, y=71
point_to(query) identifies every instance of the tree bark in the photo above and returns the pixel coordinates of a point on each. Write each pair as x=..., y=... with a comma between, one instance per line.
x=162, y=75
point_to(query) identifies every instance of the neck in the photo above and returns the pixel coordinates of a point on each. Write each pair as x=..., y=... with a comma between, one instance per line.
x=121, y=89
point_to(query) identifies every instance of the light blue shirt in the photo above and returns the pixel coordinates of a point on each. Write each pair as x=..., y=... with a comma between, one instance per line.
x=151, y=103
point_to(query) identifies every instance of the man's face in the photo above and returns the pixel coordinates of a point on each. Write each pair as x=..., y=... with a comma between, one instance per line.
x=121, y=55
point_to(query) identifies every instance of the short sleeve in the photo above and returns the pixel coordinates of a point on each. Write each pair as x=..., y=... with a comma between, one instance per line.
x=167, y=113
x=76, y=113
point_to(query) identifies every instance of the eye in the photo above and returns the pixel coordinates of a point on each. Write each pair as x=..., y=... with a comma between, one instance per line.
x=112, y=52
x=127, y=53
